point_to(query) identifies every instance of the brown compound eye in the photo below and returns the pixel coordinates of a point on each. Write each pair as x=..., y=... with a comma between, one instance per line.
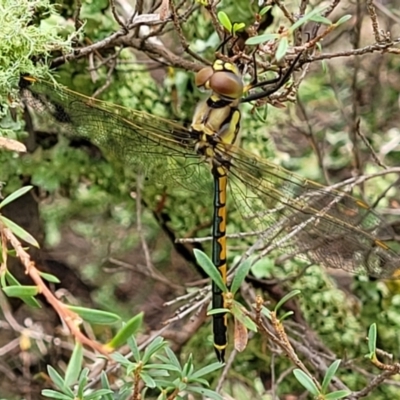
x=203, y=77
x=226, y=84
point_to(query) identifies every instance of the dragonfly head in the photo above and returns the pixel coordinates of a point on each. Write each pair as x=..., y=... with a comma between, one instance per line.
x=223, y=78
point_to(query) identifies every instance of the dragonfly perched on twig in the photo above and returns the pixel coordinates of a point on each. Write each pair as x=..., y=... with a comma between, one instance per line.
x=328, y=226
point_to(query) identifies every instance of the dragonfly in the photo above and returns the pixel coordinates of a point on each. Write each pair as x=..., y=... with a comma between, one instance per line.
x=294, y=214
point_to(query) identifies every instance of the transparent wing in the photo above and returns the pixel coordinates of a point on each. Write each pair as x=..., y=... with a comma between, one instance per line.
x=163, y=150
x=295, y=214
x=302, y=217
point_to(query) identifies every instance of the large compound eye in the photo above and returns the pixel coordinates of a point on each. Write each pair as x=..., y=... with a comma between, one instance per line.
x=226, y=84
x=202, y=78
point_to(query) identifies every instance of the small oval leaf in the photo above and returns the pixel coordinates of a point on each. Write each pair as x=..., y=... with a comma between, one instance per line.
x=225, y=21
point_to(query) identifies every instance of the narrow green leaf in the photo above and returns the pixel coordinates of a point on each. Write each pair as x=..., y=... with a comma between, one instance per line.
x=134, y=348
x=56, y=395
x=95, y=316
x=205, y=392
x=330, y=373
x=9, y=279
x=98, y=394
x=343, y=19
x=148, y=380
x=106, y=385
x=82, y=380
x=286, y=315
x=321, y=20
x=372, y=339
x=49, y=277
x=262, y=38
x=18, y=193
x=210, y=269
x=240, y=275
x=306, y=381
x=264, y=10
x=20, y=232
x=59, y=381
x=225, y=21
x=75, y=365
x=339, y=394
x=218, y=311
x=282, y=48
x=21, y=291
x=249, y=324
x=285, y=298
x=306, y=17
x=206, y=370
x=129, y=329
x=155, y=346
x=173, y=358
x=266, y=312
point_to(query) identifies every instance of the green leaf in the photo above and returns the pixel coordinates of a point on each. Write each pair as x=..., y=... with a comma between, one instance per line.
x=12, y=281
x=330, y=373
x=205, y=392
x=49, y=277
x=372, y=339
x=238, y=26
x=225, y=21
x=262, y=38
x=21, y=291
x=148, y=380
x=306, y=381
x=210, y=269
x=282, y=48
x=59, y=381
x=285, y=298
x=266, y=312
x=156, y=345
x=106, y=384
x=18, y=231
x=206, y=370
x=173, y=358
x=343, y=19
x=56, y=395
x=18, y=193
x=264, y=10
x=98, y=394
x=321, y=20
x=286, y=315
x=218, y=311
x=306, y=18
x=74, y=365
x=129, y=329
x=82, y=380
x=134, y=348
x=95, y=316
x=240, y=275
x=339, y=394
